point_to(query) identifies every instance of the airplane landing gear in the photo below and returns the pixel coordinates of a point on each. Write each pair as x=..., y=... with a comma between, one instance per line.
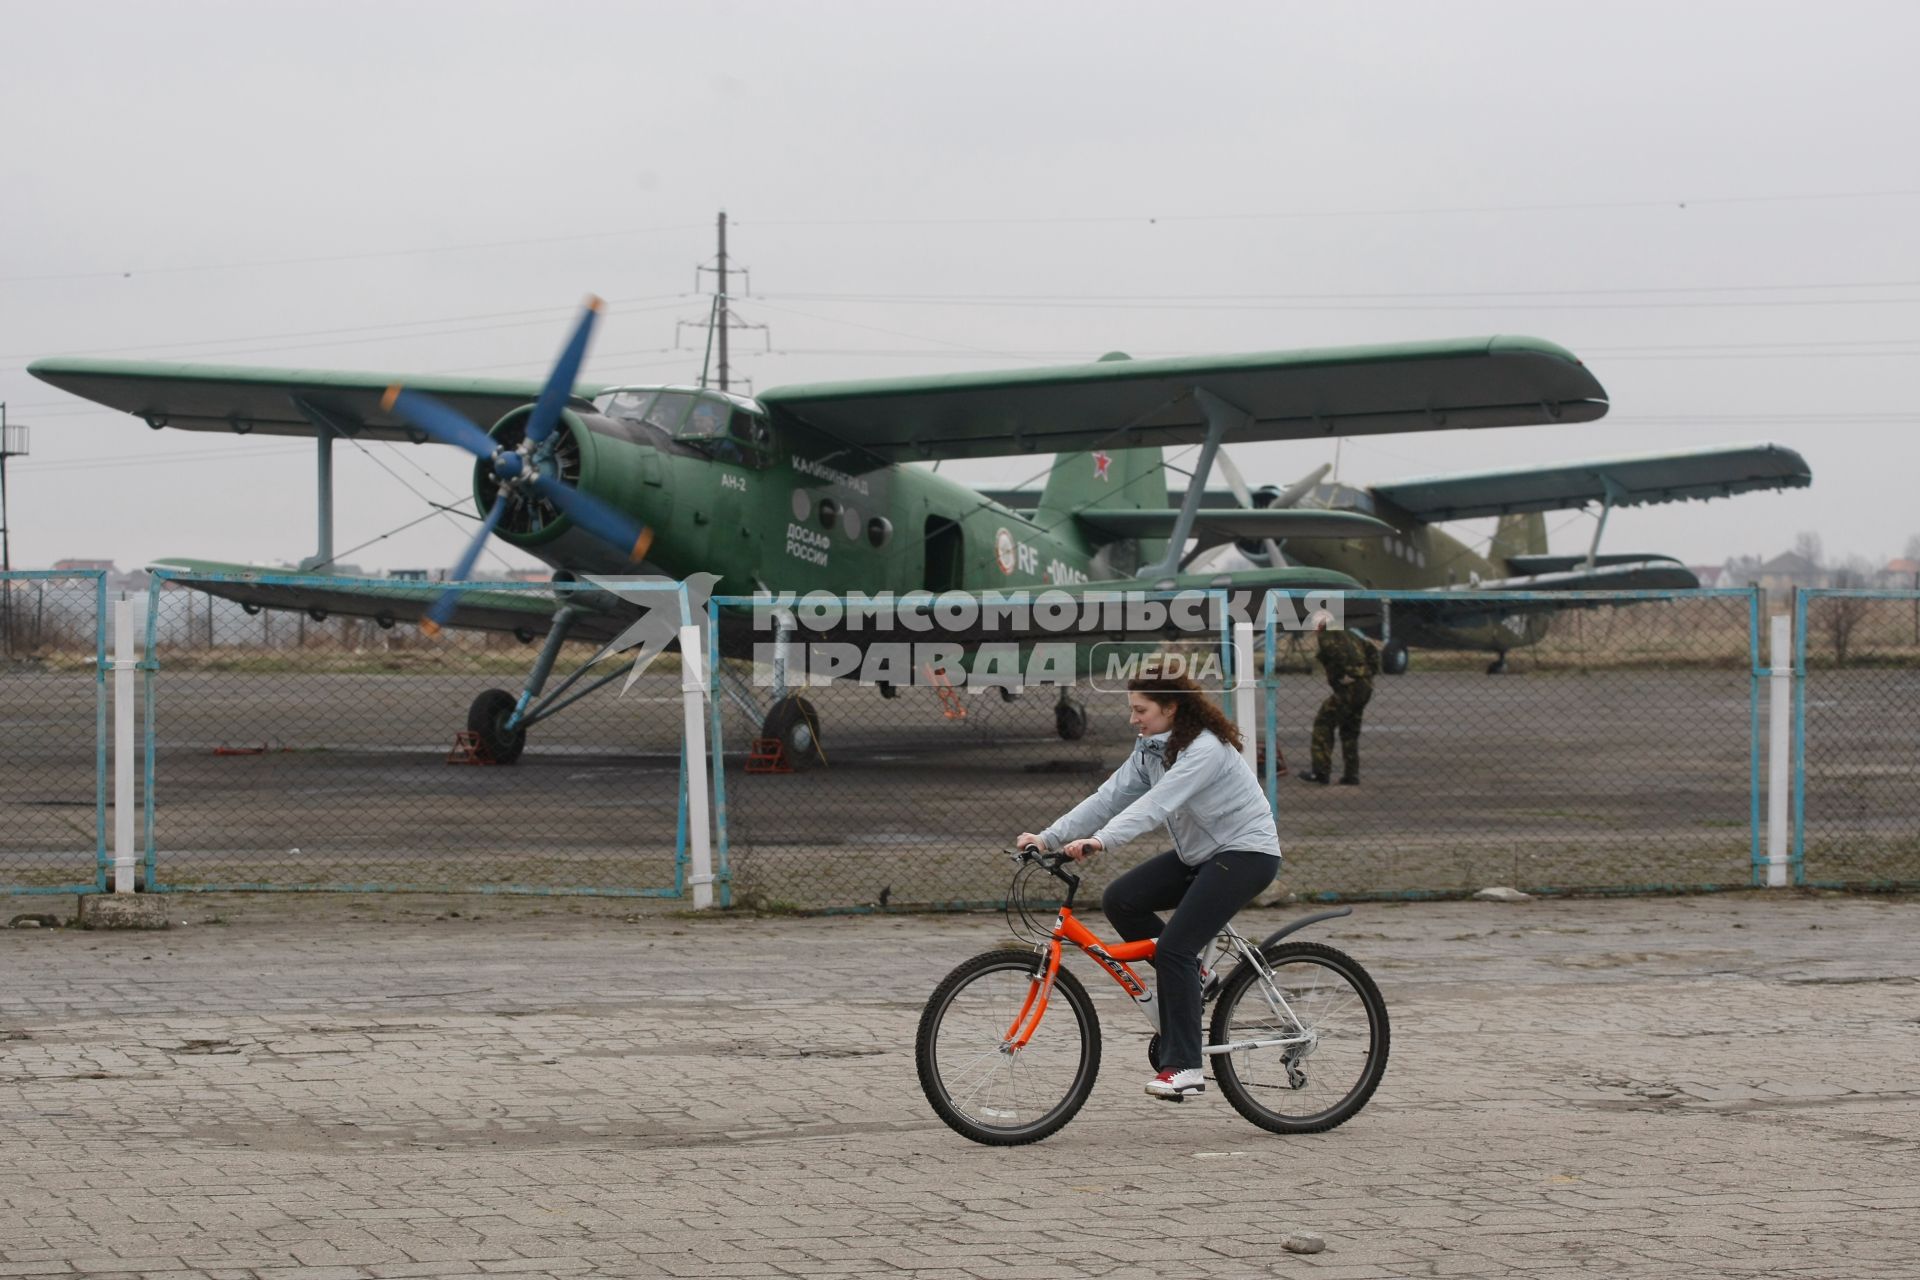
x=1498, y=666
x=1069, y=718
x=487, y=718
x=795, y=724
x=1394, y=658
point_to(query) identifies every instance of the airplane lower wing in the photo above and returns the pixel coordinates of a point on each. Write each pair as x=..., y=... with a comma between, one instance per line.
x=389, y=601
x=1610, y=573
x=1213, y=526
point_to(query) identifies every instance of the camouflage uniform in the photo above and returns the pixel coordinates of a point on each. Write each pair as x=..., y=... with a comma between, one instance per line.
x=1348, y=673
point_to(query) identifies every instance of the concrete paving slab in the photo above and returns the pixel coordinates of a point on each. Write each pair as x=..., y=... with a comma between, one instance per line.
x=338, y=1085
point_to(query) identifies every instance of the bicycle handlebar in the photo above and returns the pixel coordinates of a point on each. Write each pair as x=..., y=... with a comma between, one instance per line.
x=1051, y=863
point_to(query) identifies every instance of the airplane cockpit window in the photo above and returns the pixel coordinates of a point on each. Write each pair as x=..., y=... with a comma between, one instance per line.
x=730, y=430
x=628, y=406
x=667, y=410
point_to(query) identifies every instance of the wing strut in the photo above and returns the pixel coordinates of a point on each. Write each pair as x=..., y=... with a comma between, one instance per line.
x=1220, y=416
x=1614, y=492
x=326, y=425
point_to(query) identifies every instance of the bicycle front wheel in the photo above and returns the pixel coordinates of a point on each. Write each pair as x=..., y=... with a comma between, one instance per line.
x=1313, y=1039
x=982, y=1087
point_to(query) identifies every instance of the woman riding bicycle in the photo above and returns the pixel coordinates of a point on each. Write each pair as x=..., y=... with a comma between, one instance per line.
x=1187, y=772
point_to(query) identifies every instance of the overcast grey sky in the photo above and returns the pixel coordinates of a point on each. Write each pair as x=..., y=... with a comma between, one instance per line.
x=1712, y=203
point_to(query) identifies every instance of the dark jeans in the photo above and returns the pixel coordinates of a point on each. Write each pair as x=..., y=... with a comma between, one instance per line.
x=1202, y=900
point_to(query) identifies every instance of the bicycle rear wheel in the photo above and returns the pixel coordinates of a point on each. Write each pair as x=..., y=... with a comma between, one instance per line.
x=985, y=1091
x=1320, y=998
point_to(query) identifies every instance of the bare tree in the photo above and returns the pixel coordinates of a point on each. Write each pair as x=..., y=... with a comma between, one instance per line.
x=1843, y=613
x=1806, y=544
x=1913, y=549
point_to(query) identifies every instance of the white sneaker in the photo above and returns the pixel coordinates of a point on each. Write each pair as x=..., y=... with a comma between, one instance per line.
x=1175, y=1085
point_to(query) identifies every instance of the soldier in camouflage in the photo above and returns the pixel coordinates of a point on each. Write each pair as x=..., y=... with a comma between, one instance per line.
x=1350, y=663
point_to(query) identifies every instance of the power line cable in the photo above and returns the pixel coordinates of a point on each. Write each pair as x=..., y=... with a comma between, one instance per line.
x=345, y=257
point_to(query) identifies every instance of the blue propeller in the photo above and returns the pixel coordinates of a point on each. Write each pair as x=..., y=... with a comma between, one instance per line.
x=518, y=470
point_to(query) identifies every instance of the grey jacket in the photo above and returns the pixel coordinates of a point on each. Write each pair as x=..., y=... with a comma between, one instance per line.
x=1209, y=800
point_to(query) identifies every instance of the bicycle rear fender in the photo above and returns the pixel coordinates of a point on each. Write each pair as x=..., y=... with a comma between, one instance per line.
x=1302, y=923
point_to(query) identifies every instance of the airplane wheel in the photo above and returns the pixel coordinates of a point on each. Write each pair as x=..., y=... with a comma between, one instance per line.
x=795, y=723
x=1394, y=658
x=1498, y=666
x=1070, y=721
x=487, y=717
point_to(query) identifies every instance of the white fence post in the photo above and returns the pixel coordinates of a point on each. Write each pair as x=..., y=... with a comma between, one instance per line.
x=125, y=661
x=1245, y=682
x=1779, y=753
x=693, y=693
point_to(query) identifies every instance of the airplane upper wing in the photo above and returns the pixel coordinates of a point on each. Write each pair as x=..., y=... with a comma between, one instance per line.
x=1717, y=472
x=206, y=397
x=1290, y=395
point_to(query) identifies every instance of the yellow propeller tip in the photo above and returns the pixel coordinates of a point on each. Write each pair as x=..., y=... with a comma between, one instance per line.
x=392, y=394
x=429, y=627
x=595, y=303
x=640, y=545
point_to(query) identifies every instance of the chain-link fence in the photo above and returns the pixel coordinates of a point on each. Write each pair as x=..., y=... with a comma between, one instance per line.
x=905, y=793
x=1857, y=722
x=1614, y=749
x=52, y=732
x=303, y=750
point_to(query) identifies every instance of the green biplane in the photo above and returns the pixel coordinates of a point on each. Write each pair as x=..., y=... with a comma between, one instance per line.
x=812, y=488
x=1416, y=554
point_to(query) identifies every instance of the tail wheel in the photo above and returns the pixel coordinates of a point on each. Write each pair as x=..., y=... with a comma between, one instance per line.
x=1070, y=721
x=986, y=1090
x=487, y=718
x=1394, y=658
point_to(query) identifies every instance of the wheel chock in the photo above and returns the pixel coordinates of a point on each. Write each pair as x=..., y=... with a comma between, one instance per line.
x=468, y=749
x=768, y=755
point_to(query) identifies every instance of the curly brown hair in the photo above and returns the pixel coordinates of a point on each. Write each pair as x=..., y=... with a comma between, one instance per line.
x=1193, y=710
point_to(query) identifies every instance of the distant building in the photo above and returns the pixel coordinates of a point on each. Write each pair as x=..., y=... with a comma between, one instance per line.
x=1899, y=575
x=1782, y=574
x=83, y=566
x=1709, y=574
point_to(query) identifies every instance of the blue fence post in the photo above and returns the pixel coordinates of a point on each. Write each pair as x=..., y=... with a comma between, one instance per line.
x=1270, y=705
x=722, y=866
x=100, y=731
x=1755, y=854
x=149, y=670
x=1799, y=858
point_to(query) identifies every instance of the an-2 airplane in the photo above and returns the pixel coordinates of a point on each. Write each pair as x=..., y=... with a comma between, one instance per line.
x=1416, y=554
x=809, y=488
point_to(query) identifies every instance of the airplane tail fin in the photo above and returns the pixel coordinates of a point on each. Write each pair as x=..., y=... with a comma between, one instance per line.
x=1519, y=535
x=1116, y=480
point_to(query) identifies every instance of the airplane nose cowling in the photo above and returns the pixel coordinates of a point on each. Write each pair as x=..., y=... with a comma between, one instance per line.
x=532, y=518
